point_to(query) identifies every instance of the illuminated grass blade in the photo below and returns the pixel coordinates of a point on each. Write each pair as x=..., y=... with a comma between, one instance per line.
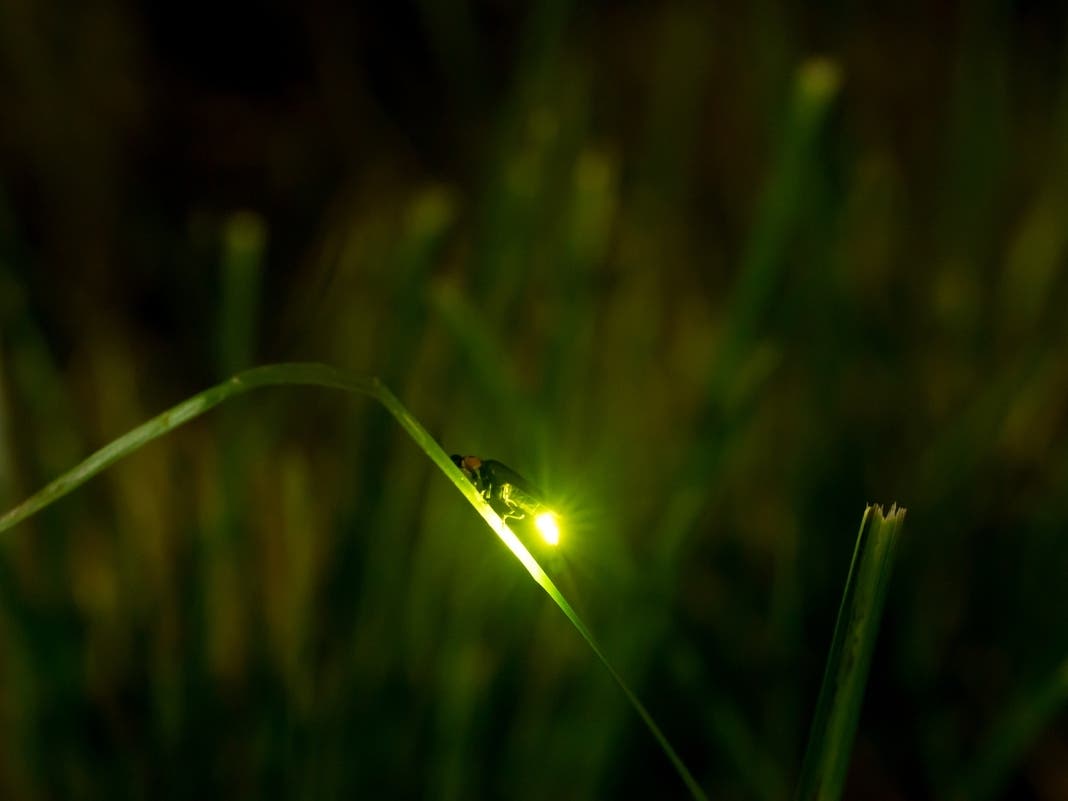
x=834, y=725
x=322, y=375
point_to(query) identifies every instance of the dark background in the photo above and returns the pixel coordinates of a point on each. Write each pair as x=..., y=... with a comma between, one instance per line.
x=714, y=276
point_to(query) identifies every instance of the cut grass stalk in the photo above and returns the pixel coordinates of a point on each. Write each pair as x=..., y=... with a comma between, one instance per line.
x=834, y=725
x=308, y=374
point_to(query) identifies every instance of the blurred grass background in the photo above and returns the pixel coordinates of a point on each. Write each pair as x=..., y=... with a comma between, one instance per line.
x=714, y=276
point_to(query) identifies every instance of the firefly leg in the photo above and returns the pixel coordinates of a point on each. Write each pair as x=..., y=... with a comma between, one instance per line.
x=513, y=512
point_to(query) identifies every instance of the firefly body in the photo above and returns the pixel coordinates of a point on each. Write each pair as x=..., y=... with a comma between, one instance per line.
x=510, y=495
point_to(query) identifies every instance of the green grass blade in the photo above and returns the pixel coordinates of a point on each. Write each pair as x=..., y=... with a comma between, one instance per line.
x=272, y=375
x=245, y=237
x=304, y=374
x=834, y=725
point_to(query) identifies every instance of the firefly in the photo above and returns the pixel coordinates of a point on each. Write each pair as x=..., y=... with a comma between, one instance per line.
x=510, y=495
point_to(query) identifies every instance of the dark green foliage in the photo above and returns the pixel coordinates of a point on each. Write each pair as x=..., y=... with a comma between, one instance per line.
x=711, y=276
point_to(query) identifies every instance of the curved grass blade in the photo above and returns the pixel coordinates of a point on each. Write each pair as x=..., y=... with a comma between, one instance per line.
x=307, y=374
x=834, y=725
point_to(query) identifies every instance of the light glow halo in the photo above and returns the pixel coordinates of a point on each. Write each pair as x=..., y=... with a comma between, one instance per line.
x=549, y=528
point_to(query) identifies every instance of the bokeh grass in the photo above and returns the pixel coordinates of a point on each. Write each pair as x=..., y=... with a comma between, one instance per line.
x=318, y=375
x=539, y=227
x=838, y=709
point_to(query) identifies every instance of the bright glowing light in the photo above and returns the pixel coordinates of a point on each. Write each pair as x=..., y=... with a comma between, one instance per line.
x=550, y=531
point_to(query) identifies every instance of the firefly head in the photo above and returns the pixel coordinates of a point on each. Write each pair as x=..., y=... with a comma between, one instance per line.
x=469, y=466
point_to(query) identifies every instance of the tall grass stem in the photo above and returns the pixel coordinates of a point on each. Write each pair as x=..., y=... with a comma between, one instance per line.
x=834, y=724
